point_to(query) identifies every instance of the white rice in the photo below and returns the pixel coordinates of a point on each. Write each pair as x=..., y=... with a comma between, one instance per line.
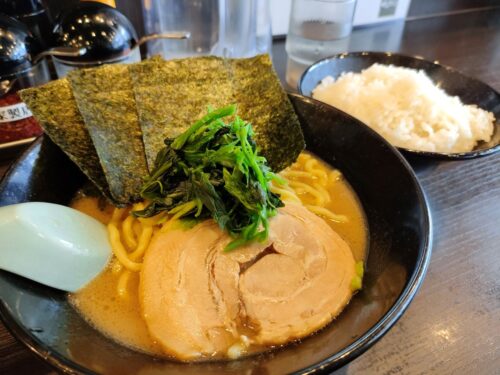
x=408, y=109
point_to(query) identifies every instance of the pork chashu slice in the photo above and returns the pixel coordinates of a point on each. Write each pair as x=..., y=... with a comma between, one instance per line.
x=196, y=298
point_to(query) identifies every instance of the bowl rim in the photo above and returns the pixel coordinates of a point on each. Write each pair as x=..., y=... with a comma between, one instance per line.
x=366, y=341
x=427, y=154
x=339, y=359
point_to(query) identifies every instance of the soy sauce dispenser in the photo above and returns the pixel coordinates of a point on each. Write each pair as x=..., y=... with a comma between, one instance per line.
x=18, y=70
x=33, y=14
x=104, y=35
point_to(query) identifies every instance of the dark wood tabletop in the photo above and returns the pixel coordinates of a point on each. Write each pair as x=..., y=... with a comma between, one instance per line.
x=453, y=325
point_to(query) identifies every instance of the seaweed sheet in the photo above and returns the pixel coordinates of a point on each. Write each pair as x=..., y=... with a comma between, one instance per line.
x=263, y=102
x=105, y=99
x=54, y=106
x=171, y=95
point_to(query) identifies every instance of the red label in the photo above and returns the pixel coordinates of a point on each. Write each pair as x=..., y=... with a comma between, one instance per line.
x=16, y=120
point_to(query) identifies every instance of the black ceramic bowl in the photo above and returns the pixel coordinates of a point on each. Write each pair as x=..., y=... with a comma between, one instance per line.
x=469, y=90
x=399, y=252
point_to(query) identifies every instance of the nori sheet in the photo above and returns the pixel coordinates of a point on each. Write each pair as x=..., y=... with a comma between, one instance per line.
x=171, y=95
x=262, y=101
x=125, y=107
x=105, y=99
x=54, y=106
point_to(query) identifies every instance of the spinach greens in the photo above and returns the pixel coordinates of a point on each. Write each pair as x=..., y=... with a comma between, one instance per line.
x=213, y=169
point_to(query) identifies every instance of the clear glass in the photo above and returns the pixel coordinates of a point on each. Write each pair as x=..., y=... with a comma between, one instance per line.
x=318, y=28
x=35, y=75
x=230, y=28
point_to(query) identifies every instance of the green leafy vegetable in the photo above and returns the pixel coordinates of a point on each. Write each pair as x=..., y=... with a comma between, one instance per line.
x=357, y=280
x=213, y=169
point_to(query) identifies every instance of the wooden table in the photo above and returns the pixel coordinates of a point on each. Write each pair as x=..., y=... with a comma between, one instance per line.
x=453, y=325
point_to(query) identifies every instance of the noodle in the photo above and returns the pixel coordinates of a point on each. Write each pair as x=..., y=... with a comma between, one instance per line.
x=119, y=250
x=327, y=213
x=320, y=199
x=285, y=194
x=289, y=173
x=122, y=290
x=178, y=212
x=145, y=238
x=117, y=214
x=128, y=232
x=308, y=168
x=321, y=189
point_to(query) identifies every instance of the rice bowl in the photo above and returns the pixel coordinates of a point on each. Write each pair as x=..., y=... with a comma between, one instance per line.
x=408, y=109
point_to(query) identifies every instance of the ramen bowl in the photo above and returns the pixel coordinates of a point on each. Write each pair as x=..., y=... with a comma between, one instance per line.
x=399, y=252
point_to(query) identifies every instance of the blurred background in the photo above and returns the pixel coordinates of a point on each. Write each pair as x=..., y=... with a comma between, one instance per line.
x=42, y=40
x=367, y=10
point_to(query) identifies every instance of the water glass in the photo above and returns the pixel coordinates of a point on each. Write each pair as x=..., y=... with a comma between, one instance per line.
x=318, y=28
x=229, y=28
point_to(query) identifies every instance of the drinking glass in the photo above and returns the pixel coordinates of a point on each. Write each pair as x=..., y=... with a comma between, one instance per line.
x=318, y=28
x=229, y=28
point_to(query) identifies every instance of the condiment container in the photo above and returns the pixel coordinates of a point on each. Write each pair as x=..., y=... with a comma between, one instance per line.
x=105, y=35
x=34, y=15
x=18, y=71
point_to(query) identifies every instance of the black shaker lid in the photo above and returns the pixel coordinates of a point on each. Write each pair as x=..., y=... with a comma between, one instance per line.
x=103, y=31
x=17, y=46
x=19, y=8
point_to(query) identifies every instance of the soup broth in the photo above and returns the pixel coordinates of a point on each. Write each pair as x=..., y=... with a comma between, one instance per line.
x=119, y=317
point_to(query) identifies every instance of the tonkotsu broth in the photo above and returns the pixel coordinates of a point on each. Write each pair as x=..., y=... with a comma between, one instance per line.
x=120, y=318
